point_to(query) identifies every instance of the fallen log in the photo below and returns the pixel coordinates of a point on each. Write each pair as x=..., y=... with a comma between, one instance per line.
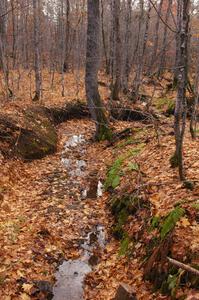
x=72, y=110
x=128, y=114
x=183, y=266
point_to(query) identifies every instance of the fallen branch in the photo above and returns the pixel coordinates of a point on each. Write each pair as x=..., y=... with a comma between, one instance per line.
x=183, y=266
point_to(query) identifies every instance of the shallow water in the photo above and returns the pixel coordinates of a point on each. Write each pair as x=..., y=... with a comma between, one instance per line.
x=71, y=274
x=70, y=278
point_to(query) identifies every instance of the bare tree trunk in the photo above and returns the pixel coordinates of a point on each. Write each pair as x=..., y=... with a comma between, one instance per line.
x=155, y=40
x=92, y=65
x=193, y=121
x=141, y=16
x=140, y=64
x=37, y=63
x=164, y=46
x=67, y=39
x=117, y=63
x=104, y=38
x=177, y=55
x=112, y=44
x=181, y=105
x=3, y=50
x=13, y=34
x=127, y=67
x=62, y=46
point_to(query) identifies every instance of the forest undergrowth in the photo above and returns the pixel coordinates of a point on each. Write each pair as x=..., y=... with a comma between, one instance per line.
x=147, y=212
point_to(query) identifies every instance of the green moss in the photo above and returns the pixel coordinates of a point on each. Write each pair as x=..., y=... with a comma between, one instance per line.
x=104, y=133
x=129, y=141
x=125, y=246
x=189, y=185
x=118, y=230
x=174, y=162
x=165, y=104
x=155, y=221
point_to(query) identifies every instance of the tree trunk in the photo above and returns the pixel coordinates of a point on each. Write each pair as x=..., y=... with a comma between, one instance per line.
x=37, y=63
x=92, y=65
x=177, y=54
x=67, y=39
x=181, y=105
x=104, y=39
x=141, y=53
x=155, y=40
x=117, y=63
x=164, y=46
x=127, y=66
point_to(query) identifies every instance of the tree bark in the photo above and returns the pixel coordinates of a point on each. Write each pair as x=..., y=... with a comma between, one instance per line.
x=141, y=53
x=127, y=66
x=182, y=67
x=155, y=41
x=91, y=78
x=117, y=80
x=164, y=46
x=37, y=62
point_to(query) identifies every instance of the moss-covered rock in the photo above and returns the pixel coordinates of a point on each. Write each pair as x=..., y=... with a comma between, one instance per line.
x=39, y=138
x=31, y=137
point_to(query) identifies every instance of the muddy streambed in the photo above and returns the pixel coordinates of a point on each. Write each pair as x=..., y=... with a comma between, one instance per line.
x=71, y=273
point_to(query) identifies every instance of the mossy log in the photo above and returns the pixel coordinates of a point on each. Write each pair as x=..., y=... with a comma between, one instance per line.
x=72, y=110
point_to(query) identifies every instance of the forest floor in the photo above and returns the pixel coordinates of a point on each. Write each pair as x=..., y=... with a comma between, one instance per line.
x=44, y=218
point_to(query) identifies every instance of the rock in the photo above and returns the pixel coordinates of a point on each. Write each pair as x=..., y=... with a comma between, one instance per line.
x=33, y=137
x=39, y=138
x=30, y=133
x=125, y=292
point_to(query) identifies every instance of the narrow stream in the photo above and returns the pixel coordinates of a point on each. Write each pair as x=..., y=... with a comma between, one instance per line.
x=71, y=274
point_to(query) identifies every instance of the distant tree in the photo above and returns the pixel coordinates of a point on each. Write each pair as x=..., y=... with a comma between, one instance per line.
x=92, y=65
x=127, y=60
x=182, y=80
x=37, y=59
x=155, y=39
x=164, y=45
x=117, y=42
x=141, y=48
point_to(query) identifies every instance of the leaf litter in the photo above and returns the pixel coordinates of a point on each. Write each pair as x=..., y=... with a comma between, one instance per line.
x=47, y=215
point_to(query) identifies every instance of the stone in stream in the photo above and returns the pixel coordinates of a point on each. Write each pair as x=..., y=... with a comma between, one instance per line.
x=125, y=292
